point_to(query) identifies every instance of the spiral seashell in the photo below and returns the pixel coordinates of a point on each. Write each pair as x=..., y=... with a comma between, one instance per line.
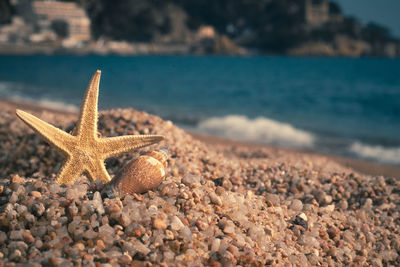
x=139, y=175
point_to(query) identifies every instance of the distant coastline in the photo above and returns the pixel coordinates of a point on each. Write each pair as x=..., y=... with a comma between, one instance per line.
x=143, y=49
x=298, y=28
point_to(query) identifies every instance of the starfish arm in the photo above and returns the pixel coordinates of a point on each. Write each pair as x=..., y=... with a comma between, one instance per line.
x=51, y=134
x=98, y=172
x=87, y=122
x=114, y=146
x=69, y=172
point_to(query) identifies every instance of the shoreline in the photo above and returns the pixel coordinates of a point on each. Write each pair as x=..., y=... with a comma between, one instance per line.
x=358, y=165
x=179, y=50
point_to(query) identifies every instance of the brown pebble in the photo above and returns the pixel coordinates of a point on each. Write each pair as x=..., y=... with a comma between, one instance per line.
x=88, y=256
x=213, y=263
x=215, y=199
x=201, y=225
x=16, y=179
x=28, y=238
x=79, y=246
x=100, y=244
x=36, y=194
x=159, y=224
x=125, y=259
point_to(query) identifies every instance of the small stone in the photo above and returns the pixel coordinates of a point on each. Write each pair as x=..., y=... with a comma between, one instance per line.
x=55, y=188
x=296, y=205
x=218, y=181
x=98, y=203
x=176, y=224
x=215, y=245
x=215, y=199
x=38, y=209
x=3, y=237
x=229, y=229
x=106, y=230
x=77, y=192
x=90, y=234
x=22, y=246
x=38, y=244
x=15, y=178
x=73, y=209
x=100, y=245
x=125, y=259
x=333, y=232
x=190, y=179
x=80, y=246
x=36, y=194
x=17, y=235
x=169, y=235
x=125, y=219
x=28, y=238
x=299, y=220
x=142, y=248
x=303, y=216
x=201, y=225
x=159, y=224
x=343, y=205
x=58, y=261
x=367, y=205
x=16, y=255
x=327, y=199
x=273, y=198
x=308, y=241
x=14, y=197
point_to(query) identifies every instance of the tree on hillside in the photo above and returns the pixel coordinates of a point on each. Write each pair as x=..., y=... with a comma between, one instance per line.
x=131, y=20
x=5, y=11
x=375, y=33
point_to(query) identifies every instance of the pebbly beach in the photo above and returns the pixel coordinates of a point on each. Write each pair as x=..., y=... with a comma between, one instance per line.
x=222, y=203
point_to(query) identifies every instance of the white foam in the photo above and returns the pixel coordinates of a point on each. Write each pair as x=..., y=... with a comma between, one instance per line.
x=10, y=90
x=378, y=153
x=47, y=103
x=261, y=130
x=57, y=105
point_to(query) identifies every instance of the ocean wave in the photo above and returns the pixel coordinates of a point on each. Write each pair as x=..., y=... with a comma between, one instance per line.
x=11, y=91
x=47, y=103
x=377, y=153
x=261, y=130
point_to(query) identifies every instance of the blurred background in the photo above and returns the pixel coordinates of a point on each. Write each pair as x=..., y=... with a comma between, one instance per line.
x=316, y=75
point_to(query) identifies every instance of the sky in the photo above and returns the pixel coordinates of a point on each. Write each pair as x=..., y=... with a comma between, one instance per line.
x=384, y=12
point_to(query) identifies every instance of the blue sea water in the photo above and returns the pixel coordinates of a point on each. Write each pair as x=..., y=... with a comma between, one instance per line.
x=341, y=106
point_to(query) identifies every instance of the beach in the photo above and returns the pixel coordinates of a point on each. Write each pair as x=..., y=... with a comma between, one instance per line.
x=222, y=203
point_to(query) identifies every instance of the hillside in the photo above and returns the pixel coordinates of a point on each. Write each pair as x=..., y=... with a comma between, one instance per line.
x=305, y=27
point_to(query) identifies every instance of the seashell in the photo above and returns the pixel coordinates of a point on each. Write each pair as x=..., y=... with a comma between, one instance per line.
x=139, y=175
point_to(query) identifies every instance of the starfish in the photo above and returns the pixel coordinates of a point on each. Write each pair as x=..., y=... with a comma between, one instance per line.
x=85, y=151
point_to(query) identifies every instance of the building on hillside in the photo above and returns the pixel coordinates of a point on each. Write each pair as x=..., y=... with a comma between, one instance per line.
x=75, y=17
x=316, y=12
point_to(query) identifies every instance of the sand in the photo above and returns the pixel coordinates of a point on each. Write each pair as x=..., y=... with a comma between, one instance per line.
x=222, y=203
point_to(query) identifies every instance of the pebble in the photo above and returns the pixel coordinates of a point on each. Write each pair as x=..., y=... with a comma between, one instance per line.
x=38, y=209
x=159, y=224
x=215, y=199
x=296, y=205
x=36, y=194
x=176, y=224
x=191, y=180
x=98, y=203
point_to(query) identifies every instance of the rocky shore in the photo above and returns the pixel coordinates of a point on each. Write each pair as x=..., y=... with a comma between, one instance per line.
x=220, y=205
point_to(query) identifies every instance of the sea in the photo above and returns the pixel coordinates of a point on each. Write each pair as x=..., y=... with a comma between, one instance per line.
x=340, y=106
